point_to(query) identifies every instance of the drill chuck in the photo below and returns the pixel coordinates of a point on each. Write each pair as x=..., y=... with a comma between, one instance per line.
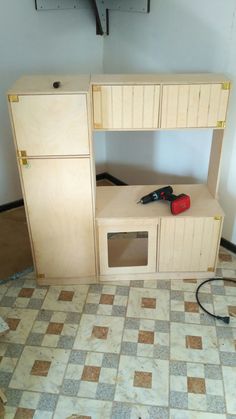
x=156, y=195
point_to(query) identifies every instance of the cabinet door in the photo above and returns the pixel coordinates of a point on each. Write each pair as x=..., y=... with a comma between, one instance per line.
x=51, y=125
x=126, y=107
x=194, y=106
x=129, y=247
x=188, y=244
x=59, y=204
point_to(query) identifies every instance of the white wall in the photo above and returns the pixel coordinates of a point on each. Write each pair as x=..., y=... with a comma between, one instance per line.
x=228, y=169
x=41, y=42
x=177, y=36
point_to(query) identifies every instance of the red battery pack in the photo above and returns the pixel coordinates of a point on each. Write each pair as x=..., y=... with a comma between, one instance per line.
x=180, y=204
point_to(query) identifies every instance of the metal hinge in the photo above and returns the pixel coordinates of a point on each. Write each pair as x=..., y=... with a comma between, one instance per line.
x=22, y=154
x=40, y=276
x=13, y=98
x=97, y=88
x=97, y=125
x=210, y=269
x=221, y=124
x=218, y=218
x=226, y=85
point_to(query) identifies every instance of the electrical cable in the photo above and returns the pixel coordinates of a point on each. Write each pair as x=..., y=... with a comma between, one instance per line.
x=225, y=319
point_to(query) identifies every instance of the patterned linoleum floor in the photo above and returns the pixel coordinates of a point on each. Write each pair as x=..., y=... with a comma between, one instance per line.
x=137, y=350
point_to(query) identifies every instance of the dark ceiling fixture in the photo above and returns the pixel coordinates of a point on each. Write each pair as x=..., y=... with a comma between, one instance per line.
x=100, y=7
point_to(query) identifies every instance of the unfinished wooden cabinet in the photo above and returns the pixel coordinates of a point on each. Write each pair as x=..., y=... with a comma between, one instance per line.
x=189, y=244
x=74, y=242
x=127, y=247
x=185, y=244
x=53, y=145
x=51, y=125
x=58, y=198
x=126, y=107
x=194, y=105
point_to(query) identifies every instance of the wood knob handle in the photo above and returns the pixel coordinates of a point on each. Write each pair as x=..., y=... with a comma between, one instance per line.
x=56, y=84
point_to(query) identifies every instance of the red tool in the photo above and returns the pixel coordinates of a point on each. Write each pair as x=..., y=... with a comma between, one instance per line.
x=178, y=203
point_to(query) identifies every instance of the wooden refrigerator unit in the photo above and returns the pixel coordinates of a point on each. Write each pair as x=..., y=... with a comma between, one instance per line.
x=83, y=234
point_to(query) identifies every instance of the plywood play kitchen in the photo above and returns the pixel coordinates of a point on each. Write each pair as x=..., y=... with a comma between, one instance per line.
x=81, y=233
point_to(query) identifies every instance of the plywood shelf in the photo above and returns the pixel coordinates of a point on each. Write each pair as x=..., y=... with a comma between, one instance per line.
x=120, y=202
x=43, y=84
x=122, y=79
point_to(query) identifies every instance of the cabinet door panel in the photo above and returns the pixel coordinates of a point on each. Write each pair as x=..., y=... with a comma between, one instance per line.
x=193, y=106
x=126, y=251
x=121, y=107
x=51, y=125
x=188, y=244
x=59, y=204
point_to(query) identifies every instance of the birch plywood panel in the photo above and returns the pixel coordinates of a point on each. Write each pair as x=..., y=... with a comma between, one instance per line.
x=214, y=163
x=59, y=205
x=126, y=107
x=127, y=248
x=193, y=106
x=51, y=125
x=188, y=244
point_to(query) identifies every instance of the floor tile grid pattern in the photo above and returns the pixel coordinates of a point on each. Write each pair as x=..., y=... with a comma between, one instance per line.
x=134, y=286
x=122, y=331
x=19, y=412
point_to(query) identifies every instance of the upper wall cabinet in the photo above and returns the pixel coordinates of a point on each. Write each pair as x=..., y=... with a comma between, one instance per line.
x=194, y=105
x=126, y=107
x=64, y=130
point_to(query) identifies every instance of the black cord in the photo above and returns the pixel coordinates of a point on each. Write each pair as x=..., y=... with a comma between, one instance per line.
x=225, y=319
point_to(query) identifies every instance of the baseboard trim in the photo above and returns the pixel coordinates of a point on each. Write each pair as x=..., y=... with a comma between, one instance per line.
x=228, y=245
x=113, y=179
x=11, y=205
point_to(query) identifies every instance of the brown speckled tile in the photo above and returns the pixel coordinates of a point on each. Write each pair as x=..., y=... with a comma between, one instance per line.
x=146, y=337
x=148, y=303
x=194, y=342
x=12, y=323
x=143, y=379
x=54, y=328
x=26, y=292
x=107, y=299
x=100, y=332
x=23, y=413
x=91, y=373
x=66, y=296
x=191, y=307
x=40, y=368
x=196, y=385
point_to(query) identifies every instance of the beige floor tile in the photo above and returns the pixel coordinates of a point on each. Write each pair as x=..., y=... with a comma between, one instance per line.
x=108, y=341
x=29, y=376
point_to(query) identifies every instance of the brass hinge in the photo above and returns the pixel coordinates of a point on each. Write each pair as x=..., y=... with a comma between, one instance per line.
x=97, y=88
x=226, y=85
x=218, y=218
x=22, y=154
x=220, y=124
x=210, y=269
x=13, y=98
x=40, y=276
x=97, y=125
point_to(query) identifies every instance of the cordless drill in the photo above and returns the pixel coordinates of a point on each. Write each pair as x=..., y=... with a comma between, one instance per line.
x=178, y=203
